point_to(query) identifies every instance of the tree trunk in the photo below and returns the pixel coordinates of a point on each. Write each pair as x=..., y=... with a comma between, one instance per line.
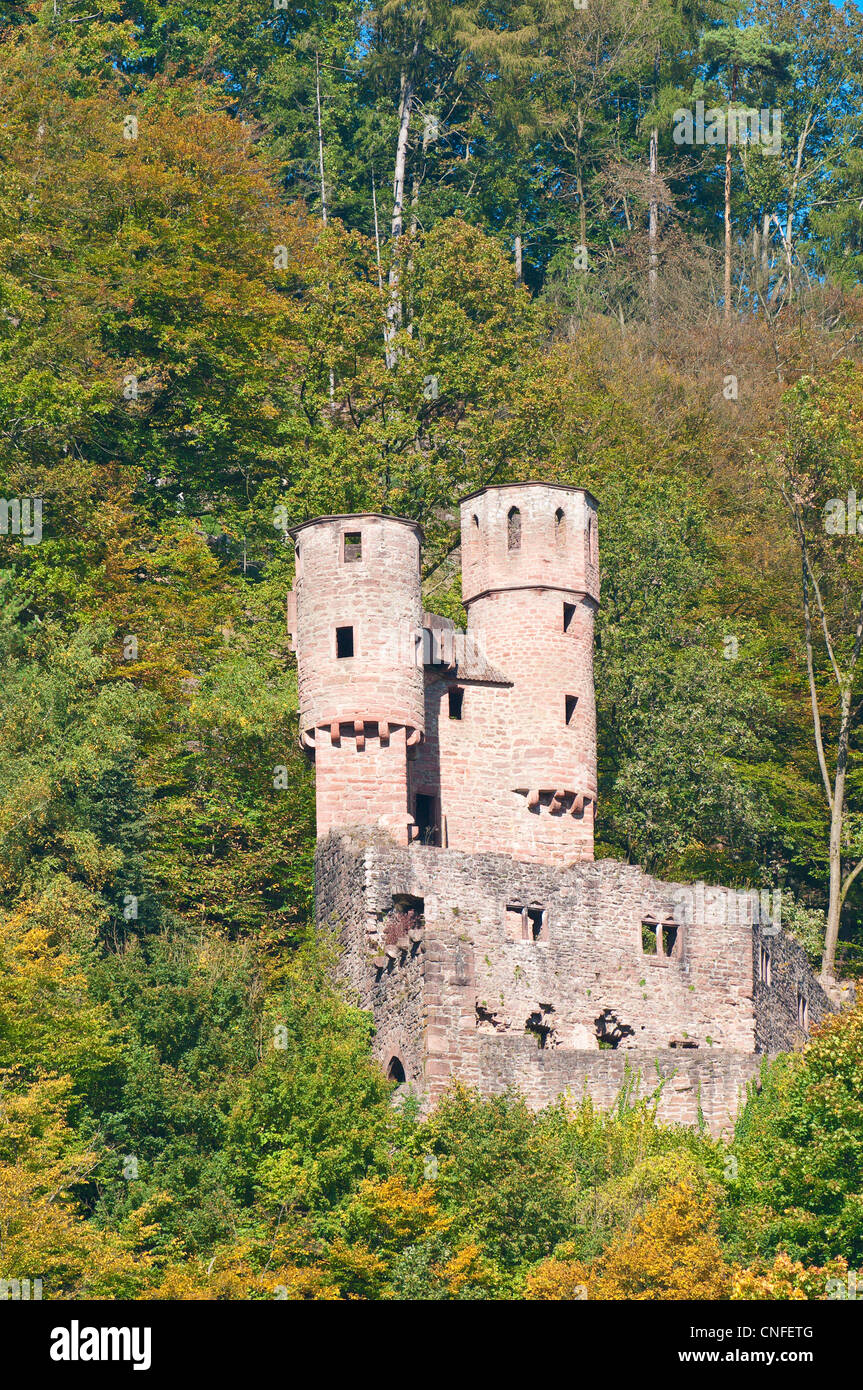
x=378, y=257
x=518, y=258
x=394, y=307
x=405, y=104
x=323, y=184
x=579, y=181
x=653, y=210
x=320, y=141
x=653, y=229
x=837, y=815
x=727, y=279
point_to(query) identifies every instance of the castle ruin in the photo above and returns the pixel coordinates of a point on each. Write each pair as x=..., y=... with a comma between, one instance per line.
x=456, y=792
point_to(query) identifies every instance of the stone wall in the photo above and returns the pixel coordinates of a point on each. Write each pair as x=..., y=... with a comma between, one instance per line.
x=784, y=983
x=354, y=887
x=521, y=775
x=440, y=946
x=694, y=1086
x=512, y=773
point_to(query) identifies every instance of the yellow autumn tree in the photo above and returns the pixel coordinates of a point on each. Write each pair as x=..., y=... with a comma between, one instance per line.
x=43, y=1232
x=47, y=1019
x=787, y=1280
x=671, y=1251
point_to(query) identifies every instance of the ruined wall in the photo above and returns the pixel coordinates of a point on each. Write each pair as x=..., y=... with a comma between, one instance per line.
x=526, y=975
x=356, y=878
x=787, y=992
x=694, y=1086
x=566, y=945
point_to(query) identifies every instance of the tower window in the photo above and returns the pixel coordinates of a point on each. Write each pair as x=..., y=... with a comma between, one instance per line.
x=456, y=702
x=427, y=819
x=568, y=615
x=536, y=924
x=513, y=529
x=515, y=921
x=765, y=972
x=352, y=546
x=668, y=938
x=560, y=527
x=649, y=937
x=571, y=702
x=344, y=641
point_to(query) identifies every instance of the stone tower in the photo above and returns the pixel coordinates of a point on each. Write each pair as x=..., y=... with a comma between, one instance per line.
x=354, y=614
x=530, y=584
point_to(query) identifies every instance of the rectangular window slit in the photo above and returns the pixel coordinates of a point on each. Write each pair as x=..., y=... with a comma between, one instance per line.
x=344, y=641
x=353, y=546
x=568, y=615
x=536, y=924
x=571, y=702
x=456, y=702
x=427, y=818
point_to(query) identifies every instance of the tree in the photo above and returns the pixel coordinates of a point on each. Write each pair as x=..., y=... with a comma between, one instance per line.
x=799, y=1150
x=672, y=1251
x=743, y=54
x=44, y=1233
x=820, y=461
x=805, y=191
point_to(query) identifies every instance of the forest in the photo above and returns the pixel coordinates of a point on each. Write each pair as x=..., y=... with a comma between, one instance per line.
x=262, y=260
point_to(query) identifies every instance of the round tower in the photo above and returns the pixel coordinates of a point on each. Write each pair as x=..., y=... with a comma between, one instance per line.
x=530, y=583
x=356, y=617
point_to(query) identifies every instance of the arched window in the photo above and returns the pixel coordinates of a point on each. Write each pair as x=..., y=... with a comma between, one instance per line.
x=560, y=527
x=395, y=1071
x=513, y=529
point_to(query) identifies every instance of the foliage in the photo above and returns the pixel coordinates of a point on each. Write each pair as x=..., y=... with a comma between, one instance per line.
x=799, y=1147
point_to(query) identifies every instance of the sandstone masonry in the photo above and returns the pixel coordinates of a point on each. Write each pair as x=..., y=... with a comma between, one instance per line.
x=456, y=788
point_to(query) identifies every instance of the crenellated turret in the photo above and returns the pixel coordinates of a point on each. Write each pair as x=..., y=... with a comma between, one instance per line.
x=530, y=583
x=355, y=614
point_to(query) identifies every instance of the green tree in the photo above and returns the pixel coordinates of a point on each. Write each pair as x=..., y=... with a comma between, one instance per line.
x=799, y=1148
